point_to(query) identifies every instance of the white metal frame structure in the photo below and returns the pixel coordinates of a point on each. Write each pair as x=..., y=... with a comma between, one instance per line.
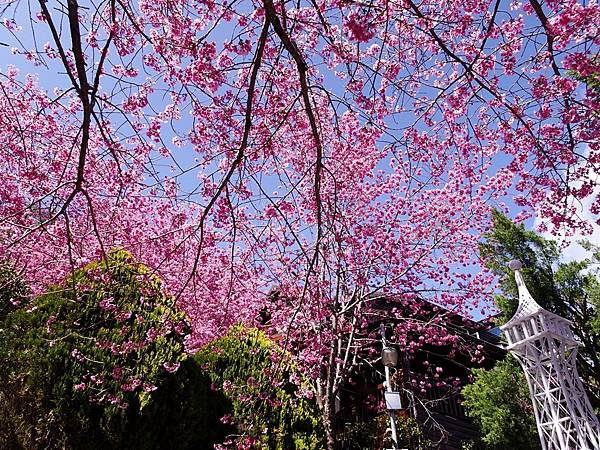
x=546, y=348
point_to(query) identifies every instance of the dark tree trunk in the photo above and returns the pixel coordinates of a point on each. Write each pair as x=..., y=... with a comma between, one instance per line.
x=329, y=423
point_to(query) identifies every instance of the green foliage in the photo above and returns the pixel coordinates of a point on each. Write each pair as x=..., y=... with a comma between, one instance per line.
x=14, y=292
x=371, y=434
x=410, y=435
x=499, y=403
x=80, y=365
x=271, y=408
x=184, y=414
x=584, y=287
x=92, y=364
x=507, y=241
x=366, y=435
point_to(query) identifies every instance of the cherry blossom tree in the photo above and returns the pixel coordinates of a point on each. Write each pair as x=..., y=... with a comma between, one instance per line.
x=336, y=151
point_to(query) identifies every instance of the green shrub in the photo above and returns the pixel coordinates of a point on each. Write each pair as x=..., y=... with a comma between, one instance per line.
x=271, y=404
x=82, y=363
x=499, y=403
x=184, y=413
x=14, y=292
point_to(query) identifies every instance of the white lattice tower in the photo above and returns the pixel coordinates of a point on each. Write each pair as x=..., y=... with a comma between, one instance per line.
x=546, y=348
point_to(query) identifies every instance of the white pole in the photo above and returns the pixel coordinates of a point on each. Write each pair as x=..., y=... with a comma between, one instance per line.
x=388, y=387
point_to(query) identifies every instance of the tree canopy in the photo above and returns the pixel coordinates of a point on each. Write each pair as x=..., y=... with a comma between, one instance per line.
x=499, y=402
x=570, y=289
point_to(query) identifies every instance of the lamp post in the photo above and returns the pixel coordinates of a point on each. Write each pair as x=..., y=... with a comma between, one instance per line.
x=389, y=358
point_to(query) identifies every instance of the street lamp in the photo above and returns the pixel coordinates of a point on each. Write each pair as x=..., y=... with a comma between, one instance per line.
x=389, y=358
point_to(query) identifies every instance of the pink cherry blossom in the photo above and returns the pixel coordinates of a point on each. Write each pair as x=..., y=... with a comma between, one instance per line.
x=331, y=155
